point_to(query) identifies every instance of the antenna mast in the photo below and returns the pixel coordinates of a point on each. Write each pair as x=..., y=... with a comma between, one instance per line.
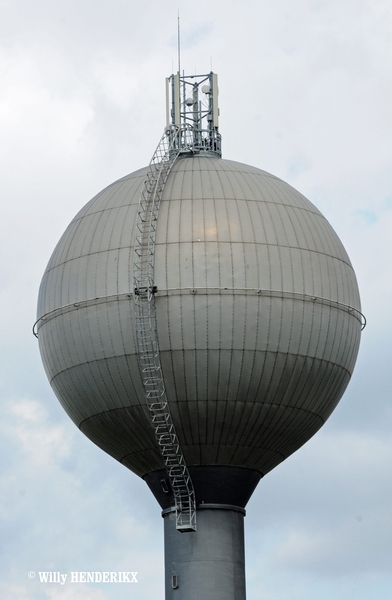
x=179, y=44
x=192, y=106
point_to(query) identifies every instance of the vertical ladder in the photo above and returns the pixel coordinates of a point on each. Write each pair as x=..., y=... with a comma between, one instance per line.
x=146, y=328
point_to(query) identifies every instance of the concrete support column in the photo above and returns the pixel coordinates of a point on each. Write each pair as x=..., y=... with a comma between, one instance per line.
x=208, y=564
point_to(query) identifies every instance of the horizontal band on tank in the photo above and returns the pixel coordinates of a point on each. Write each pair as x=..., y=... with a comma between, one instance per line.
x=239, y=509
x=202, y=291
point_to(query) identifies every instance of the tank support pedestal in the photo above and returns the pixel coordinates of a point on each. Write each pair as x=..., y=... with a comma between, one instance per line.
x=208, y=564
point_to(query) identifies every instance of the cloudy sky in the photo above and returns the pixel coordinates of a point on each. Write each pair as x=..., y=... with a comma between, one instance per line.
x=306, y=94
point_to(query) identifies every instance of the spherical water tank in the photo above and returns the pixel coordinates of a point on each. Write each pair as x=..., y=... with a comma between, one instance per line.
x=257, y=314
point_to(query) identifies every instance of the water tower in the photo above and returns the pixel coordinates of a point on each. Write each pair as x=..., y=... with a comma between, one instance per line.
x=199, y=321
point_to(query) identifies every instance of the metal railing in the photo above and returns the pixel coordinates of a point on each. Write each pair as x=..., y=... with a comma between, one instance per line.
x=262, y=293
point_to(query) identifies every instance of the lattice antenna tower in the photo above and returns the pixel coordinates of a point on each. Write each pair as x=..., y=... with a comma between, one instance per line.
x=192, y=107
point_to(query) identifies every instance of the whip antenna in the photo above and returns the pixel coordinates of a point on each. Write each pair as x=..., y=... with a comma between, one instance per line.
x=178, y=43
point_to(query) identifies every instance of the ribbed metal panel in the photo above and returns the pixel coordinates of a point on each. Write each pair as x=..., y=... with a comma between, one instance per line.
x=257, y=311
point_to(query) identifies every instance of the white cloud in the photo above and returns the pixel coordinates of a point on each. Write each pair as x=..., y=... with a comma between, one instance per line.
x=42, y=443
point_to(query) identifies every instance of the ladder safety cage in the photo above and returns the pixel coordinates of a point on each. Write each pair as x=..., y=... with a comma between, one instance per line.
x=171, y=145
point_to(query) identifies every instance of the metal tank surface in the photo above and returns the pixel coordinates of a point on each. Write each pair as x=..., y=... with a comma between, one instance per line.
x=258, y=322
